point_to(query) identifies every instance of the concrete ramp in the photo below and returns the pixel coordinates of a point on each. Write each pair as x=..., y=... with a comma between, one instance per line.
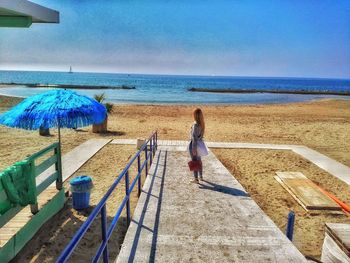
x=214, y=221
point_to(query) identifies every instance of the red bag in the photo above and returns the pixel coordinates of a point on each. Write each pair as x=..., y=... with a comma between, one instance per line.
x=195, y=165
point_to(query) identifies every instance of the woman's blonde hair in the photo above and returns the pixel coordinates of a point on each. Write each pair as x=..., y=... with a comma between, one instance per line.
x=199, y=119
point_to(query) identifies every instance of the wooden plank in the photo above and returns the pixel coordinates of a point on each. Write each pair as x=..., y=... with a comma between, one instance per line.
x=45, y=165
x=6, y=236
x=332, y=252
x=12, y=246
x=8, y=215
x=9, y=231
x=23, y=216
x=291, y=175
x=43, y=151
x=340, y=233
x=310, y=195
x=48, y=181
x=290, y=192
x=306, y=192
x=19, y=222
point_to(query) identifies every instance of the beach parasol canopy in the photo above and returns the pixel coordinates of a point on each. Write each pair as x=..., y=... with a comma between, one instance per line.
x=55, y=108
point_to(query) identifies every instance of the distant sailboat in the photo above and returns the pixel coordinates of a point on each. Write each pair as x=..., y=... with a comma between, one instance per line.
x=70, y=69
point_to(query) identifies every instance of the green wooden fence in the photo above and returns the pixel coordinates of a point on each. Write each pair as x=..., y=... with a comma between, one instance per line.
x=34, y=165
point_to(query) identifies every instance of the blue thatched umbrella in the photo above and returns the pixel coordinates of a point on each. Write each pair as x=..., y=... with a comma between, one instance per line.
x=55, y=108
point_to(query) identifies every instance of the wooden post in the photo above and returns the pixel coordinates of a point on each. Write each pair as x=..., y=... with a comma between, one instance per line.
x=104, y=125
x=58, y=166
x=33, y=208
x=101, y=127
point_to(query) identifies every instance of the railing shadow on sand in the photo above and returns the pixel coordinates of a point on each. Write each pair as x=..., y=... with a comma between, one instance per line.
x=55, y=238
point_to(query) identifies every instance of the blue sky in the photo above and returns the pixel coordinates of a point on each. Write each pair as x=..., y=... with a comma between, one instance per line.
x=236, y=38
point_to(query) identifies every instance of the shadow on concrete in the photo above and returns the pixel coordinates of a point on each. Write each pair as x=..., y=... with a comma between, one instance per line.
x=222, y=189
x=159, y=205
x=144, y=210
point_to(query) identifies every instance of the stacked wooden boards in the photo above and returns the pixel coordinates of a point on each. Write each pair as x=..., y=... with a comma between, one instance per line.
x=305, y=192
x=336, y=246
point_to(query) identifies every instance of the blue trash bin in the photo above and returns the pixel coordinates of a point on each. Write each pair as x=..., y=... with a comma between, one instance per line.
x=80, y=187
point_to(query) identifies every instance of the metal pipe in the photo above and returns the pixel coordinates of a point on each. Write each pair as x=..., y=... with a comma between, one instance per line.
x=290, y=225
x=146, y=154
x=139, y=172
x=104, y=232
x=128, y=195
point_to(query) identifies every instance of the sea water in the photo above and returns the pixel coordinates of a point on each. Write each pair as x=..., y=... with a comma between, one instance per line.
x=169, y=89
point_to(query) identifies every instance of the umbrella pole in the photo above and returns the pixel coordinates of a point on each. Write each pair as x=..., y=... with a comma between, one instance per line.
x=59, y=135
x=59, y=181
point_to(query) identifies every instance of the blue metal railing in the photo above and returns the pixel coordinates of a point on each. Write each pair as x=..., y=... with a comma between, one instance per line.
x=100, y=208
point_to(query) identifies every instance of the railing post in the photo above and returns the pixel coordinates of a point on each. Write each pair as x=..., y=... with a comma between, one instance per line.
x=139, y=173
x=153, y=145
x=156, y=140
x=146, y=161
x=128, y=195
x=151, y=151
x=104, y=232
x=33, y=208
x=58, y=165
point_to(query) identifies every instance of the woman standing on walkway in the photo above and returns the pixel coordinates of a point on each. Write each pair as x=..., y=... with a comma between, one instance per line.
x=197, y=133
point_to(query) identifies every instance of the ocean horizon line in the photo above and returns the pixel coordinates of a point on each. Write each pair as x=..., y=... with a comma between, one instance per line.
x=180, y=75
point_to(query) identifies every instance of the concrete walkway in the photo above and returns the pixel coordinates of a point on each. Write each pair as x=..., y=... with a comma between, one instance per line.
x=215, y=221
x=331, y=166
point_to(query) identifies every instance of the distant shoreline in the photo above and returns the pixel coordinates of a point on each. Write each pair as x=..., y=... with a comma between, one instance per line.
x=302, y=92
x=67, y=86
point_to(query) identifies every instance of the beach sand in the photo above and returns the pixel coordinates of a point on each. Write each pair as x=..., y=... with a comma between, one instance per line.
x=321, y=125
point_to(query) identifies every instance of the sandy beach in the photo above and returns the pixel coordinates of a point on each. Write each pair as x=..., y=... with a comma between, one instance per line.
x=321, y=125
